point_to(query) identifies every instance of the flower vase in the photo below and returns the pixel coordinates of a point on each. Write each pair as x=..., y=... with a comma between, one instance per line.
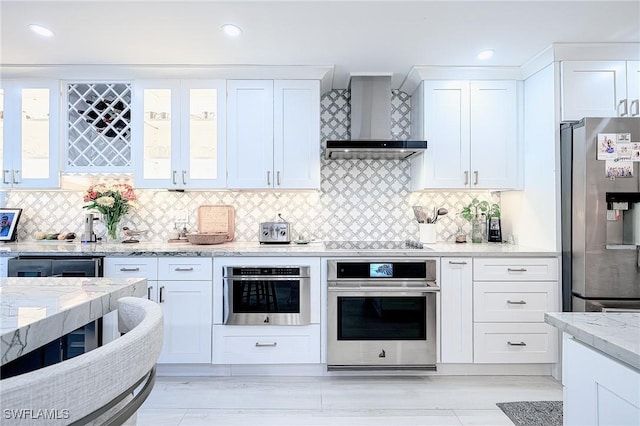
x=476, y=231
x=112, y=229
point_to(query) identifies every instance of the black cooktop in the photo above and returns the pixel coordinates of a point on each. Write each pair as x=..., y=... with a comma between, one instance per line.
x=373, y=245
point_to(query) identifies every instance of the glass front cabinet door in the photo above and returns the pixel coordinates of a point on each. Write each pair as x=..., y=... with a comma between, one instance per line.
x=181, y=129
x=29, y=133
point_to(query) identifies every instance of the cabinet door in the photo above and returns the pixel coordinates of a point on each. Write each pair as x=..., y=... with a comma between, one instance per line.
x=494, y=136
x=31, y=131
x=456, y=311
x=445, y=164
x=250, y=134
x=186, y=306
x=203, y=134
x=156, y=134
x=633, y=87
x=592, y=88
x=297, y=134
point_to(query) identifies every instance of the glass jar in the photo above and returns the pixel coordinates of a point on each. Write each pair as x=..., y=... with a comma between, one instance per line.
x=477, y=231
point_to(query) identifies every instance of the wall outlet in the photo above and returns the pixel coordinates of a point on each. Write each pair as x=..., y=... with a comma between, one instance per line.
x=181, y=216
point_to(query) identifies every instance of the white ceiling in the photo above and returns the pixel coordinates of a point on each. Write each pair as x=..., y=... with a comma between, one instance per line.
x=351, y=37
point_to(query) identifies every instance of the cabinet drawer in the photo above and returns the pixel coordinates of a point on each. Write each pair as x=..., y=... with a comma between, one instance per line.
x=514, y=302
x=298, y=345
x=510, y=269
x=116, y=267
x=185, y=268
x=519, y=343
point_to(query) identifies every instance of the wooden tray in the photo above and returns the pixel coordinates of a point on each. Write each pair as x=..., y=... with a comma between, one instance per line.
x=217, y=218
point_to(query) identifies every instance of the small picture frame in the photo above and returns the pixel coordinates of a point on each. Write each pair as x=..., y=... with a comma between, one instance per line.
x=9, y=223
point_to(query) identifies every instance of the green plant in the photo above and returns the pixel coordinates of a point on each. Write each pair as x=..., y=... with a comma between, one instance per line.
x=477, y=208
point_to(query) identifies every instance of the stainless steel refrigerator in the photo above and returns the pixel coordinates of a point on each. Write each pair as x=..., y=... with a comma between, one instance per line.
x=600, y=202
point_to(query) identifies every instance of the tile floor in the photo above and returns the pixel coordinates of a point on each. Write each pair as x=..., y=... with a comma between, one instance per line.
x=340, y=400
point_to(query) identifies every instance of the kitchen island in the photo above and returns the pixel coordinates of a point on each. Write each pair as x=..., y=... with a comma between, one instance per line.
x=36, y=311
x=601, y=367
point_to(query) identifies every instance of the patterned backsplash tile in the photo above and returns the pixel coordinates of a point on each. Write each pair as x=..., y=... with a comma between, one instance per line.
x=359, y=199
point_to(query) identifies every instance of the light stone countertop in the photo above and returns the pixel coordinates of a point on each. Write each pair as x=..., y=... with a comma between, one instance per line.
x=36, y=311
x=38, y=248
x=617, y=334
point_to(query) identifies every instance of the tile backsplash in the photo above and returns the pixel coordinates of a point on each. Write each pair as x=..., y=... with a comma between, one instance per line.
x=358, y=200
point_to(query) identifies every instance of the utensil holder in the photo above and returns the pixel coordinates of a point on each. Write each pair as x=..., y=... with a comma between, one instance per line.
x=427, y=233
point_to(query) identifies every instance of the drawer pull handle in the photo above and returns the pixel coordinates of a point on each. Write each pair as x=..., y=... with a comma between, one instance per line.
x=520, y=302
x=183, y=269
x=516, y=344
x=457, y=263
x=266, y=345
x=162, y=294
x=517, y=269
x=149, y=292
x=129, y=269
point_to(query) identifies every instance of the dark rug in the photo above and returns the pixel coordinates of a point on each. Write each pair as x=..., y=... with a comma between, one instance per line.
x=533, y=413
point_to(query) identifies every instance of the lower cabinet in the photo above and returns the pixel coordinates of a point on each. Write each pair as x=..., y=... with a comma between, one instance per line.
x=598, y=390
x=183, y=288
x=510, y=297
x=456, y=310
x=266, y=344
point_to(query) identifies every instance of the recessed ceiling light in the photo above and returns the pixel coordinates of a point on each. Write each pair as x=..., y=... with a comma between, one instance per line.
x=231, y=30
x=40, y=30
x=485, y=54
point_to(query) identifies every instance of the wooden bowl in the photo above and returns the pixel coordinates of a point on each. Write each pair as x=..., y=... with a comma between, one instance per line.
x=208, y=237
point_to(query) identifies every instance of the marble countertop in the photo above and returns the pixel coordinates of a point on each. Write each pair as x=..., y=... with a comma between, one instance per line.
x=36, y=311
x=615, y=334
x=255, y=249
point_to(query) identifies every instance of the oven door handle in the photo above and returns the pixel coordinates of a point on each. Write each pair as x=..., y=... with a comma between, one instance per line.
x=267, y=278
x=225, y=301
x=384, y=291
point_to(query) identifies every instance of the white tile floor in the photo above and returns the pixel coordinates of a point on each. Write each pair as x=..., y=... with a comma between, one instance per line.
x=389, y=401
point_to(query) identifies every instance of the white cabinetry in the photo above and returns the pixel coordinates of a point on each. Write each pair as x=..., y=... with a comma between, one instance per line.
x=274, y=134
x=180, y=128
x=597, y=389
x=182, y=286
x=471, y=128
x=267, y=344
x=510, y=297
x=456, y=310
x=600, y=89
x=29, y=133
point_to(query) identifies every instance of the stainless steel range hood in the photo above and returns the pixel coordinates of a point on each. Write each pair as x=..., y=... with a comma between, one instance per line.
x=371, y=125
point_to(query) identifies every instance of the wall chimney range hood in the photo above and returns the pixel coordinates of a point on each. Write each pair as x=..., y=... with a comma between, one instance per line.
x=371, y=125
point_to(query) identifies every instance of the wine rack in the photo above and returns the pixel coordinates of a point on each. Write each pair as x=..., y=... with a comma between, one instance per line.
x=99, y=126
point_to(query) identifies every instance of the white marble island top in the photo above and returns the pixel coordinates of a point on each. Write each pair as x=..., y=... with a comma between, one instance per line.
x=615, y=334
x=36, y=311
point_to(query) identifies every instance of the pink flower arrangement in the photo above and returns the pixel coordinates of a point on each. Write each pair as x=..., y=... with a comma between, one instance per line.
x=112, y=200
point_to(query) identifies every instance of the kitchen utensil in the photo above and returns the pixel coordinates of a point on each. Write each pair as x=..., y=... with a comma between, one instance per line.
x=440, y=212
x=419, y=214
x=217, y=218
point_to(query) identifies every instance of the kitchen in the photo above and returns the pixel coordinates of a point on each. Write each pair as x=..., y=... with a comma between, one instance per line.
x=366, y=200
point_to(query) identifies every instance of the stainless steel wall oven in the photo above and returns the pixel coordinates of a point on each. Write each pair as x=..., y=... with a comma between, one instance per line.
x=382, y=314
x=258, y=295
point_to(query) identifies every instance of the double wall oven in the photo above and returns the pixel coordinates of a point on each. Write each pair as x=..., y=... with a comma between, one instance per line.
x=381, y=314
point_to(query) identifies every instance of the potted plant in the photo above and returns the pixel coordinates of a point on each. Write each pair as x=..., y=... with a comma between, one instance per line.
x=478, y=213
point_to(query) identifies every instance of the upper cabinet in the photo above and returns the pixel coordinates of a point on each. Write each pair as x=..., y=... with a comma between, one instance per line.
x=471, y=129
x=273, y=134
x=180, y=134
x=97, y=127
x=600, y=89
x=29, y=133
